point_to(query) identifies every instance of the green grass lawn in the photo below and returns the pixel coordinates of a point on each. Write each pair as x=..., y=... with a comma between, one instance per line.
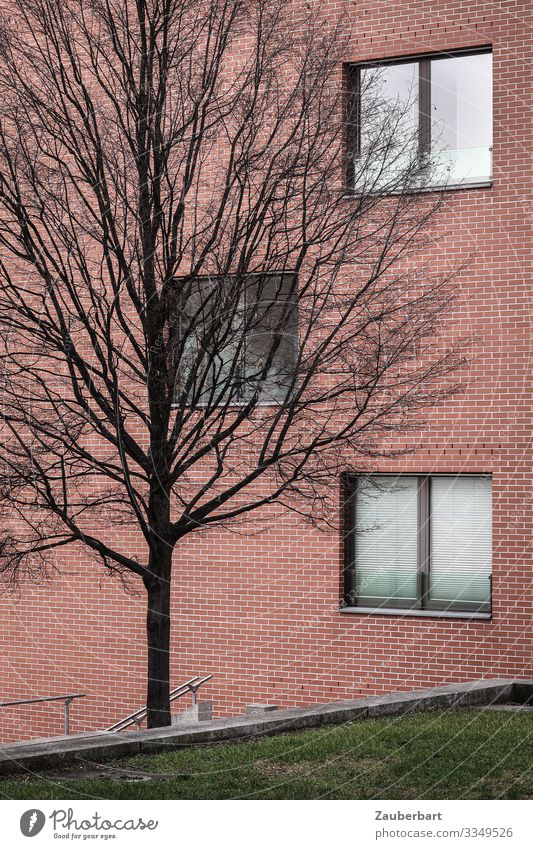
x=471, y=754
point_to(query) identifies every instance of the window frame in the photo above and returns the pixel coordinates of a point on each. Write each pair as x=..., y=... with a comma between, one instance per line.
x=423, y=606
x=241, y=401
x=353, y=111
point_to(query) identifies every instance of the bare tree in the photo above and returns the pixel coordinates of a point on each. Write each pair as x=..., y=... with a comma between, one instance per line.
x=197, y=318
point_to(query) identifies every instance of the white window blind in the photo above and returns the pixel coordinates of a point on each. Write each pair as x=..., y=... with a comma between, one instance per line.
x=461, y=540
x=386, y=541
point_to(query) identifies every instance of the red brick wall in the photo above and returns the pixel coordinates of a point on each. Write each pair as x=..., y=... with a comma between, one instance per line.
x=260, y=610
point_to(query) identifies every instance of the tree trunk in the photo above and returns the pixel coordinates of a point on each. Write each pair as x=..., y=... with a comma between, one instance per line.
x=158, y=636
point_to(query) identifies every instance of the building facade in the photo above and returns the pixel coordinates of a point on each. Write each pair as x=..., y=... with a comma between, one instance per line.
x=290, y=615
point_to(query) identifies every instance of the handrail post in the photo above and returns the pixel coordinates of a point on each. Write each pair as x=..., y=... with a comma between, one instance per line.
x=65, y=699
x=68, y=700
x=194, y=689
x=137, y=717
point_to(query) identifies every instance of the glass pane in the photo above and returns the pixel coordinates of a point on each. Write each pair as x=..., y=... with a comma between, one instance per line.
x=386, y=541
x=461, y=111
x=461, y=541
x=211, y=341
x=271, y=336
x=388, y=126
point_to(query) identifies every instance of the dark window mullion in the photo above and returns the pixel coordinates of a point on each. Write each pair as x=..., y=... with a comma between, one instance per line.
x=424, y=110
x=241, y=372
x=353, y=122
x=349, y=493
x=423, y=539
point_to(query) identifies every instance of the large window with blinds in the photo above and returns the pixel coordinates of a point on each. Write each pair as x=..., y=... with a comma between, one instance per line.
x=419, y=542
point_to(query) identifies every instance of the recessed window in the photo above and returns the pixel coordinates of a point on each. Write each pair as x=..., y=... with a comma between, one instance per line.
x=419, y=542
x=421, y=123
x=236, y=337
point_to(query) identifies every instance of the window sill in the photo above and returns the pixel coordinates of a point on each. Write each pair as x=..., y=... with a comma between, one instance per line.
x=456, y=187
x=429, y=614
x=235, y=405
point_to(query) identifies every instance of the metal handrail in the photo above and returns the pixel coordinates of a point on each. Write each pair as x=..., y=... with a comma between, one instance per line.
x=136, y=718
x=66, y=699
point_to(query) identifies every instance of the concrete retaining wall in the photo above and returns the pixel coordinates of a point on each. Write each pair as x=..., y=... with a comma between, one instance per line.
x=98, y=747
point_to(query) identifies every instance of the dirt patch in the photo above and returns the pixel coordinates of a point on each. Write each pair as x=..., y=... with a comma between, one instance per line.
x=104, y=773
x=278, y=768
x=304, y=767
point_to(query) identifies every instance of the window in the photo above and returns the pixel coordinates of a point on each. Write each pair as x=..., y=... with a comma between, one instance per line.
x=419, y=542
x=235, y=337
x=422, y=122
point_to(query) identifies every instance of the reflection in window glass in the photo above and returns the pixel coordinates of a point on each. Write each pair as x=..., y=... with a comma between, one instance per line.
x=389, y=120
x=271, y=334
x=424, y=123
x=236, y=337
x=461, y=113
